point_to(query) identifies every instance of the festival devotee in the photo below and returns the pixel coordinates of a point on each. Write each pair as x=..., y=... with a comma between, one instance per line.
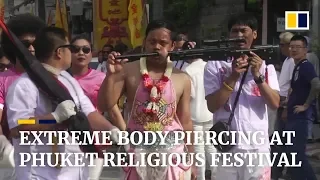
x=305, y=86
x=25, y=100
x=25, y=27
x=202, y=118
x=158, y=96
x=222, y=80
x=90, y=80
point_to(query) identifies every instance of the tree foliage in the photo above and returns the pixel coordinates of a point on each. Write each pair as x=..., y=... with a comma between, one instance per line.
x=184, y=13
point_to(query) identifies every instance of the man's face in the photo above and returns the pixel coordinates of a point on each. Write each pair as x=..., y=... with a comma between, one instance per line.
x=284, y=48
x=106, y=51
x=243, y=31
x=100, y=57
x=178, y=45
x=4, y=64
x=27, y=40
x=158, y=40
x=64, y=54
x=298, y=50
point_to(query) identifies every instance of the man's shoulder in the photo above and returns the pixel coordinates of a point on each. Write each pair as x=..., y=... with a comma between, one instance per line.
x=23, y=81
x=306, y=65
x=180, y=75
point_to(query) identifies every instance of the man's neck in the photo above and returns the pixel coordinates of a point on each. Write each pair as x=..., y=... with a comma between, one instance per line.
x=156, y=67
x=18, y=68
x=55, y=64
x=79, y=71
x=296, y=61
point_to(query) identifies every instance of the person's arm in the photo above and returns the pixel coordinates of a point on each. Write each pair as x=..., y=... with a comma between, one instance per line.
x=269, y=91
x=309, y=75
x=116, y=118
x=20, y=106
x=111, y=90
x=2, y=97
x=183, y=110
x=97, y=121
x=216, y=94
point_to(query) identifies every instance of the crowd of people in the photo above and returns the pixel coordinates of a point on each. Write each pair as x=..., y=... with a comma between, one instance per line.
x=156, y=93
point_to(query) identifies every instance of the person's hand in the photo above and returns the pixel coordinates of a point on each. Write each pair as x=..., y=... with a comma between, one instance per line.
x=193, y=172
x=115, y=134
x=300, y=108
x=284, y=114
x=64, y=111
x=239, y=66
x=189, y=45
x=115, y=65
x=256, y=63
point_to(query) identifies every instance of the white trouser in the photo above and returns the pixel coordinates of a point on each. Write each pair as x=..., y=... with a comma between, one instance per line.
x=95, y=171
x=259, y=170
x=206, y=150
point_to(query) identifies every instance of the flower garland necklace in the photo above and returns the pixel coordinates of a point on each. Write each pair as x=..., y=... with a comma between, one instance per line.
x=155, y=89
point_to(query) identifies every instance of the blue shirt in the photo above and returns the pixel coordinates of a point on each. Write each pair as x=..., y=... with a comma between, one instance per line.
x=302, y=75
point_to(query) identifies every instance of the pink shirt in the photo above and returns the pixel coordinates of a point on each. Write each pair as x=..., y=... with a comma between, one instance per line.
x=90, y=83
x=6, y=79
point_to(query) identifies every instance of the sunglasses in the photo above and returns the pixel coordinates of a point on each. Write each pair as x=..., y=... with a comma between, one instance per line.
x=5, y=66
x=27, y=43
x=84, y=49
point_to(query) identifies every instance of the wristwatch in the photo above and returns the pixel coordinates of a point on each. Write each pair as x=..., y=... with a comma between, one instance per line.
x=259, y=80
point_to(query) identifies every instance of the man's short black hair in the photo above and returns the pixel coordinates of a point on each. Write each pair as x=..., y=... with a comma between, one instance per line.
x=246, y=19
x=109, y=46
x=48, y=40
x=1, y=53
x=20, y=25
x=157, y=24
x=121, y=48
x=300, y=38
x=181, y=37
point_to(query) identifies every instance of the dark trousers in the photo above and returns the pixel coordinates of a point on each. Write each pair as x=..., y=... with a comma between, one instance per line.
x=305, y=172
x=276, y=172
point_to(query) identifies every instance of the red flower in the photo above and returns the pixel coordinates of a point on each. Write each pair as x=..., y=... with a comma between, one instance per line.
x=145, y=76
x=165, y=78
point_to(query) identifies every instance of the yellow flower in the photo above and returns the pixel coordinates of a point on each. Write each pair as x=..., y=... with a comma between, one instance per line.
x=153, y=126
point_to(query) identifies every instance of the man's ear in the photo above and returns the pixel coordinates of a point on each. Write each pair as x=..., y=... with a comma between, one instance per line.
x=59, y=52
x=173, y=45
x=255, y=34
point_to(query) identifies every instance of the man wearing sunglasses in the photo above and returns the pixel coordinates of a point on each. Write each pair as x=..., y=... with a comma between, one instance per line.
x=24, y=99
x=4, y=62
x=106, y=50
x=25, y=26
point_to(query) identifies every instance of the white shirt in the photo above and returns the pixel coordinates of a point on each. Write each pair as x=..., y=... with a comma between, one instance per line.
x=24, y=100
x=180, y=64
x=285, y=76
x=102, y=67
x=200, y=112
x=314, y=60
x=251, y=112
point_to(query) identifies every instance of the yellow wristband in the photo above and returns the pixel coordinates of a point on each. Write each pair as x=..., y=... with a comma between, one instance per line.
x=227, y=86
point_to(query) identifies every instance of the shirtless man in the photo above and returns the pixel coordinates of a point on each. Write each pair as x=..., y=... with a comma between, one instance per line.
x=126, y=78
